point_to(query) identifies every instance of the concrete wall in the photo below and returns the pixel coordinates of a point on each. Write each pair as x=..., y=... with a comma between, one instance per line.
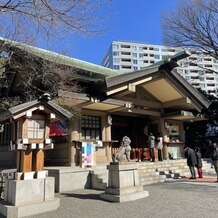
x=68, y=179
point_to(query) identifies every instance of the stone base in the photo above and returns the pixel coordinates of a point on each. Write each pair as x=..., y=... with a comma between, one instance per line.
x=123, y=184
x=11, y=211
x=28, y=197
x=69, y=178
x=124, y=198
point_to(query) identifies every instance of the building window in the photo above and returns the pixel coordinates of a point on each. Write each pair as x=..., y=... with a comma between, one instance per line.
x=156, y=49
x=135, y=68
x=125, y=46
x=115, y=47
x=156, y=56
x=134, y=48
x=140, y=48
x=91, y=127
x=116, y=60
x=135, y=62
x=115, y=53
x=141, y=55
x=116, y=67
x=134, y=55
x=36, y=129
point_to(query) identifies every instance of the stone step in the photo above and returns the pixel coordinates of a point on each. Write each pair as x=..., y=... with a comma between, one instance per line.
x=161, y=165
x=98, y=183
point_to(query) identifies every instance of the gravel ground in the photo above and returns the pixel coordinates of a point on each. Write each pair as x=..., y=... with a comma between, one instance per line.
x=168, y=200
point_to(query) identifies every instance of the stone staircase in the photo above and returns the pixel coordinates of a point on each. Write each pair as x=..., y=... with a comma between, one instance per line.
x=150, y=172
x=166, y=170
x=99, y=177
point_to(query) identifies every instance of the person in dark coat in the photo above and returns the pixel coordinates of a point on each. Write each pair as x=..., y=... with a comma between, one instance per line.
x=191, y=160
x=214, y=158
x=199, y=162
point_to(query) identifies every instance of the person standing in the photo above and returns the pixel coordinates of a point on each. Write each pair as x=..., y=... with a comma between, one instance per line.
x=199, y=162
x=191, y=160
x=214, y=158
x=160, y=147
x=151, y=145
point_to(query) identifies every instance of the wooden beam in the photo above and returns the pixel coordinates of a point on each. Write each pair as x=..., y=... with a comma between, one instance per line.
x=119, y=89
x=124, y=90
x=131, y=88
x=123, y=108
x=143, y=102
x=177, y=102
x=142, y=81
x=144, y=112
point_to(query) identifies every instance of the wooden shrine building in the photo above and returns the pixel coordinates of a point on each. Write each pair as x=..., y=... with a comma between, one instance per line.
x=156, y=99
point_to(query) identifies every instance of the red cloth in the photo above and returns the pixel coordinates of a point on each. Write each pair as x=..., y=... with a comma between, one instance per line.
x=200, y=172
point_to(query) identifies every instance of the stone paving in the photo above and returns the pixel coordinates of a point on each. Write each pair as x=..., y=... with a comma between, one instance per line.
x=175, y=199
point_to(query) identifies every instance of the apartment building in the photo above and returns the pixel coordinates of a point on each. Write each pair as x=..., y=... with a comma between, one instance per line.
x=198, y=69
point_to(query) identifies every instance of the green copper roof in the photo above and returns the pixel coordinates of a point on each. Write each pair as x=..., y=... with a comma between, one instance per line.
x=61, y=59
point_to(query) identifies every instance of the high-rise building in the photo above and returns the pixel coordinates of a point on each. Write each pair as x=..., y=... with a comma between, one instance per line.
x=198, y=69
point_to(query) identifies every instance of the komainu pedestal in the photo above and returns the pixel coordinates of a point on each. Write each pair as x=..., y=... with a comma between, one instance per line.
x=123, y=183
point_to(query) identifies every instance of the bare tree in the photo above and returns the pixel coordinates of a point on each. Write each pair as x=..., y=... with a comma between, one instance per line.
x=193, y=24
x=24, y=76
x=29, y=20
x=25, y=20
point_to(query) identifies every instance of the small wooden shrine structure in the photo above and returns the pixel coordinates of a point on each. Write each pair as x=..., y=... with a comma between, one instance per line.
x=25, y=130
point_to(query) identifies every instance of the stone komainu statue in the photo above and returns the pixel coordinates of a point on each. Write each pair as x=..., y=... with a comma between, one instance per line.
x=123, y=153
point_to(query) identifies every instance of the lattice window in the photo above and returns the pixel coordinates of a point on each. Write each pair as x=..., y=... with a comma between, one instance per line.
x=91, y=127
x=36, y=129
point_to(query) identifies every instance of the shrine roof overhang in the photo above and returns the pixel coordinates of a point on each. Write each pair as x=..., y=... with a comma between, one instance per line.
x=152, y=92
x=89, y=102
x=163, y=87
x=183, y=116
x=22, y=109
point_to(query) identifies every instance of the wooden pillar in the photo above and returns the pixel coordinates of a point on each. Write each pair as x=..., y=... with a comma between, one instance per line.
x=108, y=152
x=107, y=137
x=74, y=129
x=72, y=154
x=26, y=161
x=165, y=152
x=38, y=160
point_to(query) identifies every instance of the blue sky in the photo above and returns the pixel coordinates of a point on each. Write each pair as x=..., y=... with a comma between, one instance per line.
x=132, y=20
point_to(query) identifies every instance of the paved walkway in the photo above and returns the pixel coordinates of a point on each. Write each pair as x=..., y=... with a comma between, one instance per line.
x=173, y=199
x=206, y=179
x=177, y=199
